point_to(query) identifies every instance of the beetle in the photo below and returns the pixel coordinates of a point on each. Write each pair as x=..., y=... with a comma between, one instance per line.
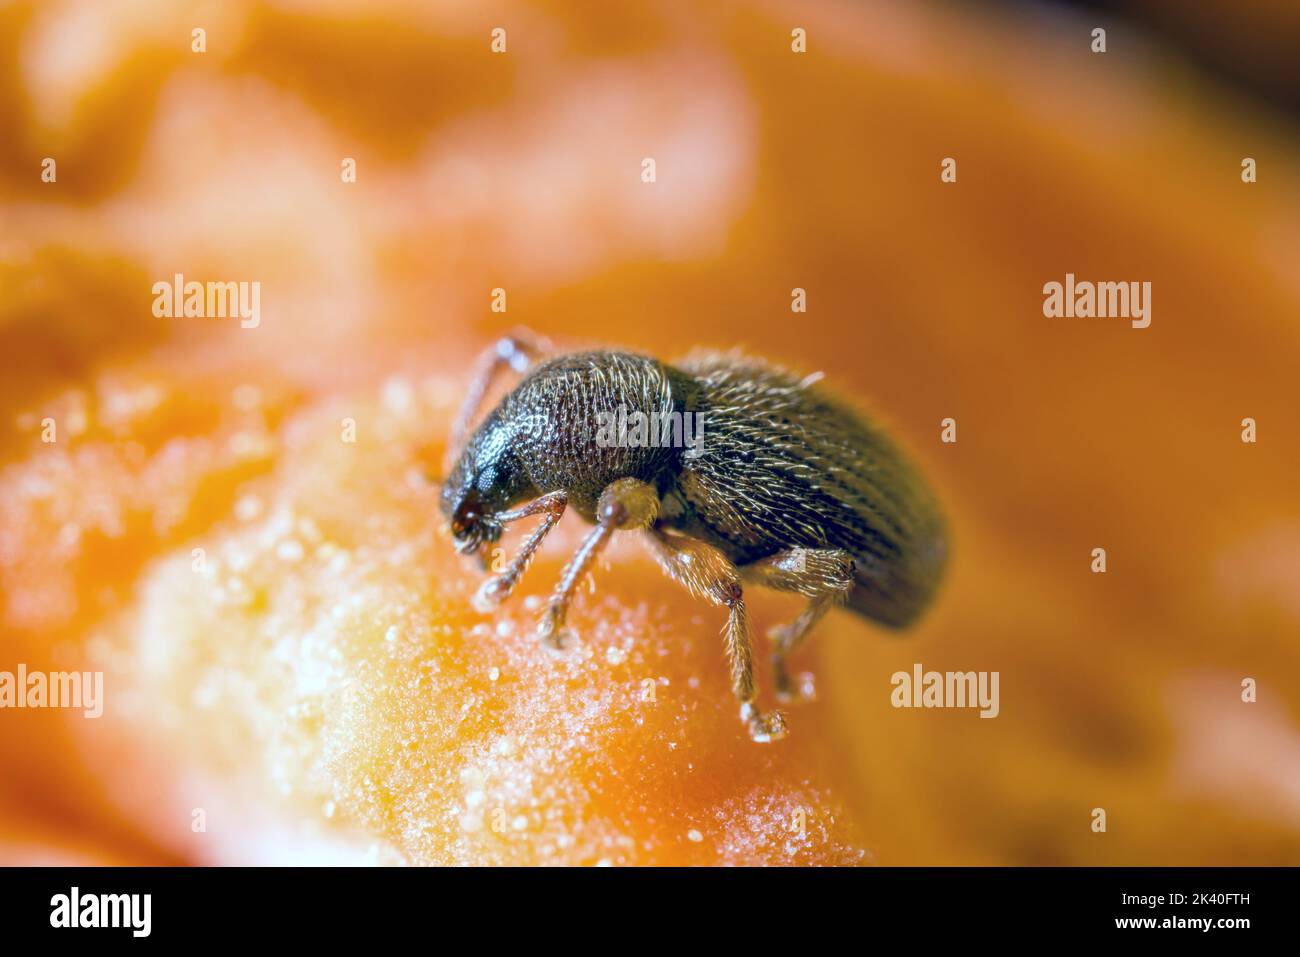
x=783, y=487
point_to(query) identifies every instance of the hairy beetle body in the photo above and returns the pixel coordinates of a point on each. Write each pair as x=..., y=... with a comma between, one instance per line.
x=780, y=485
x=786, y=466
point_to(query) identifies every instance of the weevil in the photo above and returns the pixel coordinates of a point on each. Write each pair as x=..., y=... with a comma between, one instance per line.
x=783, y=487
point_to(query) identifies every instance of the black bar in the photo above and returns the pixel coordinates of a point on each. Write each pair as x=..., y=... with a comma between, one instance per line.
x=300, y=906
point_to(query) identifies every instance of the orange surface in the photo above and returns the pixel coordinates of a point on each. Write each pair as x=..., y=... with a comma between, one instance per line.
x=320, y=687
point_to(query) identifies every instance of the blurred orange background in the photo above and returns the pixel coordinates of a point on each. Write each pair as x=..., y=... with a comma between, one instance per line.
x=316, y=688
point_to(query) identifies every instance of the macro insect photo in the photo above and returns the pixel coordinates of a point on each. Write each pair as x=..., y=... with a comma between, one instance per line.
x=794, y=493
x=848, y=433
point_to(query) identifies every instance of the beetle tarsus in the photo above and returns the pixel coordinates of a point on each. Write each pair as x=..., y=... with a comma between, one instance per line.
x=764, y=726
x=792, y=688
x=555, y=637
x=491, y=594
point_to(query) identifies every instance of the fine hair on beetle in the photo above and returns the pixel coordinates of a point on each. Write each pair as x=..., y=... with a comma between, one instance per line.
x=795, y=492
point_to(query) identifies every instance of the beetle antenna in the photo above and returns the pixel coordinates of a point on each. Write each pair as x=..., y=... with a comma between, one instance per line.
x=518, y=350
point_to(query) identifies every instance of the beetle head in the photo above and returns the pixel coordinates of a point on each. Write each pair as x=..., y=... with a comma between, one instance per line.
x=485, y=481
x=472, y=521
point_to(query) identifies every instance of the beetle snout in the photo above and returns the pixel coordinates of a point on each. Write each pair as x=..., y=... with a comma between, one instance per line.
x=466, y=534
x=466, y=544
x=471, y=524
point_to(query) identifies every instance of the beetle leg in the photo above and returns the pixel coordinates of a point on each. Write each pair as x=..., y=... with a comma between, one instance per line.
x=822, y=575
x=498, y=588
x=625, y=504
x=706, y=573
x=518, y=351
